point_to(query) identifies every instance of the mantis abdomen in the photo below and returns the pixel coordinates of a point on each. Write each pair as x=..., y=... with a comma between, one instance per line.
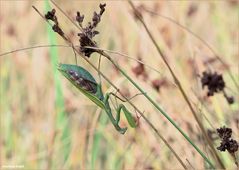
x=83, y=83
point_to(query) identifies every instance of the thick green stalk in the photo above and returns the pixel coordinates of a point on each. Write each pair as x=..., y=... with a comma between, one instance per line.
x=159, y=109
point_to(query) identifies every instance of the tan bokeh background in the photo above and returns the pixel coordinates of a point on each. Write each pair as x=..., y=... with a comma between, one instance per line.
x=35, y=136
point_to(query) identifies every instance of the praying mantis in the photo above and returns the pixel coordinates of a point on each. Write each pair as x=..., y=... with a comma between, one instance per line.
x=87, y=85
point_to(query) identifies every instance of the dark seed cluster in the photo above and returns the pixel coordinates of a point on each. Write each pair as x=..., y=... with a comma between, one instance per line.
x=79, y=18
x=224, y=132
x=89, y=31
x=215, y=84
x=213, y=81
x=51, y=16
x=227, y=143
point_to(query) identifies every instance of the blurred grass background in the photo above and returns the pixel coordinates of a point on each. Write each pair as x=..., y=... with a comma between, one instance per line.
x=47, y=124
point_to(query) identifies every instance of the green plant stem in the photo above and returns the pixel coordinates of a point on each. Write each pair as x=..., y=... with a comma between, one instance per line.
x=159, y=108
x=181, y=90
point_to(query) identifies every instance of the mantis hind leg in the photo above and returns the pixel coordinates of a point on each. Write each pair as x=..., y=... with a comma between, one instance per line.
x=120, y=108
x=127, y=114
x=114, y=121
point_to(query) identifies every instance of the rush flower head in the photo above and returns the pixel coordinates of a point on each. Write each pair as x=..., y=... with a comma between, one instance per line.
x=213, y=81
x=215, y=84
x=88, y=32
x=227, y=143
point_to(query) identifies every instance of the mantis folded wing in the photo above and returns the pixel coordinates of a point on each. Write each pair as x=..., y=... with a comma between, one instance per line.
x=87, y=85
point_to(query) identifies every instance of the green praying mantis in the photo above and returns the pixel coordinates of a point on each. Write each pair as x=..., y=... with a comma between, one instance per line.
x=87, y=85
